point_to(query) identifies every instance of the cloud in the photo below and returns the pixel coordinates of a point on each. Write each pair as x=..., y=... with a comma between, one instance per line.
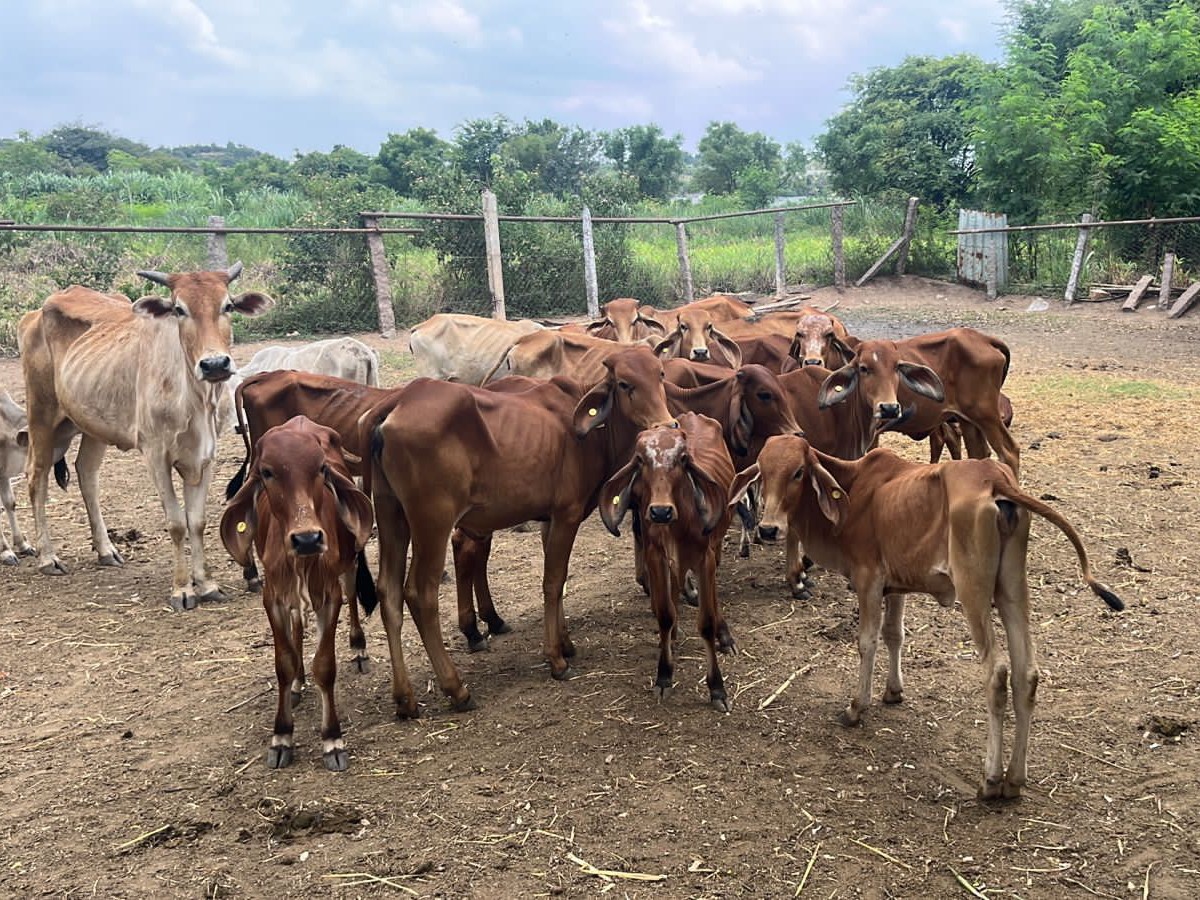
x=444, y=17
x=197, y=29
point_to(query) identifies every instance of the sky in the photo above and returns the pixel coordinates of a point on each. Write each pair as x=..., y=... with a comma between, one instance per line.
x=288, y=76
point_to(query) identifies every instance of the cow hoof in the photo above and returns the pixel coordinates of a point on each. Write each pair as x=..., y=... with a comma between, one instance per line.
x=892, y=698
x=362, y=664
x=726, y=644
x=404, y=711
x=27, y=550
x=253, y=585
x=744, y=551
x=477, y=644
x=721, y=703
x=54, y=567
x=991, y=789
x=8, y=558
x=113, y=559
x=801, y=592
x=279, y=757
x=499, y=626
x=564, y=675
x=216, y=595
x=849, y=718
x=465, y=705
x=662, y=690
x=183, y=601
x=1011, y=791
x=336, y=760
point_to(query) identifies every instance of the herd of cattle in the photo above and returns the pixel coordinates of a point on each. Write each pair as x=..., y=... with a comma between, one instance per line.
x=679, y=420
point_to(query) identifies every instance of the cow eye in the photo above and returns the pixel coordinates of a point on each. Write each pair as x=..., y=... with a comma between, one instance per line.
x=227, y=308
x=266, y=474
x=682, y=327
x=862, y=369
x=799, y=473
x=180, y=311
x=765, y=396
x=625, y=386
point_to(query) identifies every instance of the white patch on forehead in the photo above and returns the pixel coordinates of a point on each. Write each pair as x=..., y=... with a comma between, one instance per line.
x=665, y=456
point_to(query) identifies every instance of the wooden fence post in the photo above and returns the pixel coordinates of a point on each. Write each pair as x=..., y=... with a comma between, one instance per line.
x=1077, y=261
x=780, y=271
x=1164, y=287
x=839, y=257
x=495, y=263
x=910, y=225
x=218, y=253
x=382, y=277
x=589, y=266
x=685, y=264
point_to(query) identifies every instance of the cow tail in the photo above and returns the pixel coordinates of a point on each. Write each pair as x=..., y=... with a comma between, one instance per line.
x=62, y=474
x=236, y=482
x=1051, y=515
x=364, y=586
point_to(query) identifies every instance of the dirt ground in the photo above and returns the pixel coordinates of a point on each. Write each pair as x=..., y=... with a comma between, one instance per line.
x=132, y=755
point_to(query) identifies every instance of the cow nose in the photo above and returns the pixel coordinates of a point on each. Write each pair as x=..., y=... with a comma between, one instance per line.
x=700, y=353
x=768, y=532
x=662, y=514
x=889, y=410
x=216, y=366
x=307, y=543
x=813, y=361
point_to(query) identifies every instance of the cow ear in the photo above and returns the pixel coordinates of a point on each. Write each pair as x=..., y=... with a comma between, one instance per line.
x=593, y=409
x=253, y=303
x=740, y=419
x=596, y=325
x=354, y=507
x=729, y=348
x=669, y=344
x=154, y=307
x=240, y=519
x=652, y=325
x=838, y=386
x=831, y=498
x=616, y=495
x=841, y=348
x=741, y=483
x=922, y=380
x=711, y=502
x=796, y=346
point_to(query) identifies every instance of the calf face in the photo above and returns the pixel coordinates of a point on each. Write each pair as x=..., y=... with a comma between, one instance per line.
x=818, y=342
x=872, y=379
x=697, y=338
x=632, y=387
x=624, y=323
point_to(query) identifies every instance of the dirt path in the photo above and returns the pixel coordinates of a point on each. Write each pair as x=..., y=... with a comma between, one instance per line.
x=131, y=764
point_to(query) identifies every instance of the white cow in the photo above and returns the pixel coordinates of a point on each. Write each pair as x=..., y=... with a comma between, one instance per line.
x=148, y=375
x=458, y=347
x=14, y=438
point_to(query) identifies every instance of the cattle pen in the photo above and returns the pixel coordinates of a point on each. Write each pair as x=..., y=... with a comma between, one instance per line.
x=133, y=765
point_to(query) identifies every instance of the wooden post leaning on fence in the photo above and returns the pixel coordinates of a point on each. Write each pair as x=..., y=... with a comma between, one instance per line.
x=495, y=264
x=1077, y=261
x=382, y=277
x=780, y=271
x=839, y=257
x=217, y=252
x=1164, y=285
x=910, y=226
x=685, y=264
x=589, y=266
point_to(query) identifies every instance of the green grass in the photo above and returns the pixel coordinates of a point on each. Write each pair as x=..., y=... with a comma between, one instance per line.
x=1101, y=387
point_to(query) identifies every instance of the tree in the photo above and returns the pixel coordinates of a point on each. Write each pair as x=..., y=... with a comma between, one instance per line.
x=85, y=148
x=26, y=156
x=558, y=156
x=340, y=162
x=646, y=154
x=404, y=160
x=907, y=131
x=477, y=144
x=725, y=151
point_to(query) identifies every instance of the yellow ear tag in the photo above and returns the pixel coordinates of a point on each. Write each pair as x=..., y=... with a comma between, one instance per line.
x=837, y=389
x=241, y=527
x=836, y=495
x=616, y=501
x=592, y=411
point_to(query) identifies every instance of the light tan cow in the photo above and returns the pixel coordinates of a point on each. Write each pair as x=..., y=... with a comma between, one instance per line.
x=149, y=376
x=545, y=354
x=956, y=530
x=457, y=347
x=622, y=320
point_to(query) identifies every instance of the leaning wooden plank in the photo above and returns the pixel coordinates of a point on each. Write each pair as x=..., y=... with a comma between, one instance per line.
x=1135, y=296
x=1185, y=301
x=899, y=242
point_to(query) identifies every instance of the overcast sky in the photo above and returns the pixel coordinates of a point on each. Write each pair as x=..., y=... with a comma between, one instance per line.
x=300, y=75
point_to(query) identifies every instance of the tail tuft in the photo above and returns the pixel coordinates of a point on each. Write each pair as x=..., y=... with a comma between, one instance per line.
x=364, y=586
x=1108, y=597
x=62, y=474
x=236, y=482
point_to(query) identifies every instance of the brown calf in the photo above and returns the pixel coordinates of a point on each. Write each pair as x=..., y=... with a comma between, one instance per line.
x=678, y=482
x=308, y=521
x=624, y=322
x=957, y=530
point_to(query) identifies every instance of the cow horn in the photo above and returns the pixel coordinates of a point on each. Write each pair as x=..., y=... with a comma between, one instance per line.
x=233, y=272
x=157, y=277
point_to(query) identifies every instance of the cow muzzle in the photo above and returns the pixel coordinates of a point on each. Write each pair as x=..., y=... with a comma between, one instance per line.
x=662, y=515
x=307, y=543
x=216, y=368
x=769, y=533
x=700, y=354
x=813, y=361
x=888, y=411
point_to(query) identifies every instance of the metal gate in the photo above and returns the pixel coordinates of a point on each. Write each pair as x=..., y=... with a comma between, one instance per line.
x=983, y=258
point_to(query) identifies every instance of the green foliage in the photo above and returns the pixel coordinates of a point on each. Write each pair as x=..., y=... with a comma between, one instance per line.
x=85, y=149
x=906, y=133
x=405, y=160
x=644, y=153
x=726, y=151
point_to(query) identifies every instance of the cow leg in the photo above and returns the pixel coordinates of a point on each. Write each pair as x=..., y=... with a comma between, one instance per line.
x=483, y=594
x=38, y=462
x=250, y=573
x=557, y=541
x=1005, y=445
x=183, y=595
x=639, y=555
x=870, y=609
x=393, y=549
x=87, y=469
x=19, y=543
x=893, y=637
x=333, y=748
x=421, y=596
x=195, y=495
x=710, y=620
x=1012, y=602
x=797, y=567
x=470, y=570
x=287, y=659
x=358, y=639
x=663, y=589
